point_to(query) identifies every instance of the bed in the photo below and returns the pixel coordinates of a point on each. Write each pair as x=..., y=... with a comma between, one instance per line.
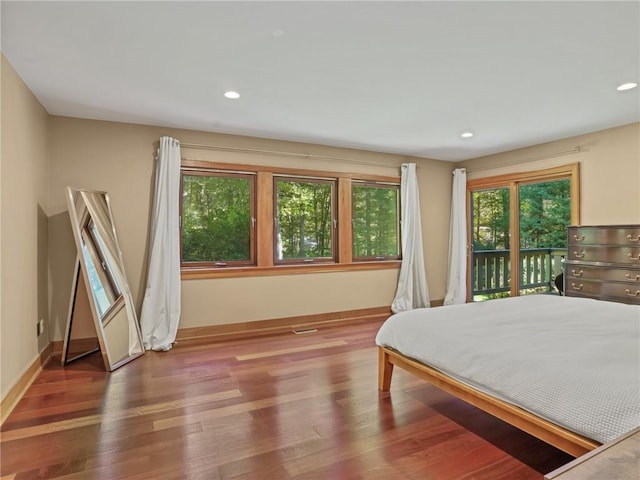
x=566, y=370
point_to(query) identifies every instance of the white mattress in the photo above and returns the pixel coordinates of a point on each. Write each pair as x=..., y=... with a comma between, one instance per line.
x=573, y=361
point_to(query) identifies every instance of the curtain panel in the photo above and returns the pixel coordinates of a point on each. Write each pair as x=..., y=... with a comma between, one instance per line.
x=161, y=305
x=412, y=291
x=457, y=274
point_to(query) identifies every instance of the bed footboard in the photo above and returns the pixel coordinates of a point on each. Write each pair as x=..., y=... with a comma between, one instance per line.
x=555, y=435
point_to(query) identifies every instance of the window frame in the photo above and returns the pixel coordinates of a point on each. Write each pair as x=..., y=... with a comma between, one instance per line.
x=265, y=230
x=373, y=184
x=248, y=175
x=333, y=182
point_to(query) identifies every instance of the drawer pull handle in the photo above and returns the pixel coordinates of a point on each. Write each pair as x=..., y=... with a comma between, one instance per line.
x=631, y=257
x=577, y=287
x=631, y=239
x=633, y=279
x=580, y=255
x=578, y=273
x=630, y=294
x=581, y=237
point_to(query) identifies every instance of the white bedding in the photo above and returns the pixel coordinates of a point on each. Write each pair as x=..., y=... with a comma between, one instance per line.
x=573, y=361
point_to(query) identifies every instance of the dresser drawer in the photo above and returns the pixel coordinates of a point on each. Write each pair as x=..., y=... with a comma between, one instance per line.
x=605, y=254
x=624, y=291
x=621, y=292
x=590, y=288
x=605, y=274
x=622, y=235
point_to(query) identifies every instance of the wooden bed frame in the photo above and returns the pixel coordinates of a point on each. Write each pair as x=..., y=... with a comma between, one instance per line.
x=559, y=437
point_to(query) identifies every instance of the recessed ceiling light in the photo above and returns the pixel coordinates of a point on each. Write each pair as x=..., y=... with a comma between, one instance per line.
x=627, y=86
x=231, y=94
x=466, y=135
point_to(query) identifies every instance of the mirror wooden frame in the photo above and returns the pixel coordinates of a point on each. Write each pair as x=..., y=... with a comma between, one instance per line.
x=100, y=267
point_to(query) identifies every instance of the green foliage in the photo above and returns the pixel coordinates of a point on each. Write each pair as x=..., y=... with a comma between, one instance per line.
x=545, y=213
x=491, y=296
x=216, y=218
x=304, y=219
x=491, y=219
x=375, y=221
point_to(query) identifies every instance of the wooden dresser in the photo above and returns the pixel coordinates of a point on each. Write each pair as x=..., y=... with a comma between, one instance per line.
x=604, y=262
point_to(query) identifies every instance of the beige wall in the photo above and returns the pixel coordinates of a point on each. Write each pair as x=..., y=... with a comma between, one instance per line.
x=609, y=171
x=23, y=247
x=119, y=158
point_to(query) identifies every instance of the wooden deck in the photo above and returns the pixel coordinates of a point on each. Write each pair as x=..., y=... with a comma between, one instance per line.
x=282, y=407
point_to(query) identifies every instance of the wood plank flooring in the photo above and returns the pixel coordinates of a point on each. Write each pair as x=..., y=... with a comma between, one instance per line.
x=282, y=407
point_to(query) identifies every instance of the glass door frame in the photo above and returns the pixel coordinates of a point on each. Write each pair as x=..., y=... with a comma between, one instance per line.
x=512, y=181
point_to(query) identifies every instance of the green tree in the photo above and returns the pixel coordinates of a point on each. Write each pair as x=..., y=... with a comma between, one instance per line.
x=375, y=221
x=491, y=219
x=545, y=213
x=216, y=218
x=304, y=219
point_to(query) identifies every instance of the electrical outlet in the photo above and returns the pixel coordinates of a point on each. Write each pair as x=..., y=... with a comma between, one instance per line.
x=40, y=327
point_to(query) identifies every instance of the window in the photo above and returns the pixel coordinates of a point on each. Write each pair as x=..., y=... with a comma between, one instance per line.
x=305, y=219
x=376, y=221
x=217, y=219
x=252, y=220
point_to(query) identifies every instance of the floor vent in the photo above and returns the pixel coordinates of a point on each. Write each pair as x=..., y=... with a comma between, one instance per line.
x=302, y=330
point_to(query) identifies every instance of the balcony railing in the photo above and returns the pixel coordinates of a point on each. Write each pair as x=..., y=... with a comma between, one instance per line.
x=538, y=268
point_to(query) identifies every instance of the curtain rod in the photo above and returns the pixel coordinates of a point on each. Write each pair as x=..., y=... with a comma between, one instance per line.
x=576, y=149
x=285, y=154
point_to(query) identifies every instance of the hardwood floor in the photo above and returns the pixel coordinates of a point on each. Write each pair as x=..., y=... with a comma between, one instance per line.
x=282, y=407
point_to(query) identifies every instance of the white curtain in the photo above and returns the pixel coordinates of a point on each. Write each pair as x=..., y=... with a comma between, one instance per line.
x=161, y=305
x=457, y=275
x=412, y=289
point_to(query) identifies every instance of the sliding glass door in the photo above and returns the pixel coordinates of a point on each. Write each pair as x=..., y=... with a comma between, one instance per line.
x=518, y=231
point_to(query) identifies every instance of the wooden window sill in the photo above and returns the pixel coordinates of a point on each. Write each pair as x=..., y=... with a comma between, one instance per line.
x=192, y=273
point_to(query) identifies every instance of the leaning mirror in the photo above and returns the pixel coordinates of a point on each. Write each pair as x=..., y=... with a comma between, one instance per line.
x=100, y=275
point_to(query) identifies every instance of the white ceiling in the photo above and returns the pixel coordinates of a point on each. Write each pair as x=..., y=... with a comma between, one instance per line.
x=399, y=77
